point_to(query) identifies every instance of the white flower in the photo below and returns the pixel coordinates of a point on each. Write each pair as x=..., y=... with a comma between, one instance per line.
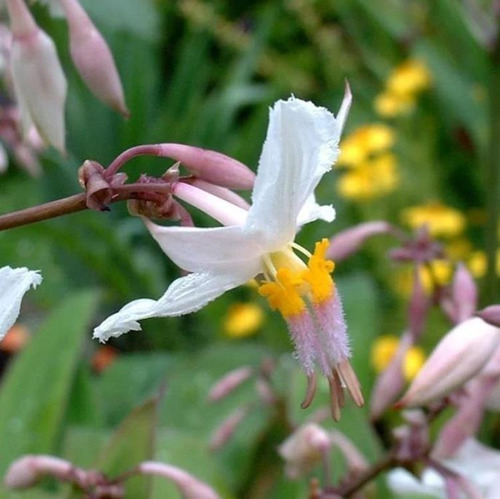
x=300, y=147
x=475, y=463
x=13, y=284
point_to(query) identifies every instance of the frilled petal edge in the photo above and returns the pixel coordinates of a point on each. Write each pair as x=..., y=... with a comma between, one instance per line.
x=185, y=295
x=13, y=285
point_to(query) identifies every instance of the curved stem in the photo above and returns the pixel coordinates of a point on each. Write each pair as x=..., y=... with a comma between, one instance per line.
x=120, y=160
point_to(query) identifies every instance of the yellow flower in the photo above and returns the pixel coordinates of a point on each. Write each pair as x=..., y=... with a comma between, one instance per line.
x=410, y=77
x=364, y=142
x=438, y=272
x=477, y=263
x=388, y=104
x=243, y=319
x=371, y=179
x=402, y=88
x=440, y=219
x=385, y=348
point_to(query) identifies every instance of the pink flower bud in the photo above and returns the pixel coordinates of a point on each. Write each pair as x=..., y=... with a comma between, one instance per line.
x=459, y=356
x=211, y=166
x=464, y=293
x=355, y=460
x=39, y=81
x=349, y=241
x=304, y=449
x=226, y=430
x=189, y=486
x=228, y=383
x=92, y=57
x=419, y=305
x=27, y=470
x=390, y=383
x=491, y=315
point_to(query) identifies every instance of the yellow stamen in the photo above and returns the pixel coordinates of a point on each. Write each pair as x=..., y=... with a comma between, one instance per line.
x=283, y=294
x=318, y=273
x=293, y=280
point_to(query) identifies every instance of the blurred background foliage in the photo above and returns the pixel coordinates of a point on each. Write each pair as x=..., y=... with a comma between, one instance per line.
x=204, y=73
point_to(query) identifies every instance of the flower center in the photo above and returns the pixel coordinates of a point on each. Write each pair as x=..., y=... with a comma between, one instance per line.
x=288, y=280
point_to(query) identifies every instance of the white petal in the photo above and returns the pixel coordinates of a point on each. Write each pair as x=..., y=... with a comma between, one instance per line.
x=300, y=147
x=186, y=294
x=313, y=211
x=13, y=284
x=200, y=250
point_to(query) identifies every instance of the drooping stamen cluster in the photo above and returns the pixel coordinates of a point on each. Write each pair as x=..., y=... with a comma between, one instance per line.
x=307, y=299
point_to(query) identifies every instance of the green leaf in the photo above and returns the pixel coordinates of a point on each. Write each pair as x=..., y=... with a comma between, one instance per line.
x=132, y=443
x=35, y=392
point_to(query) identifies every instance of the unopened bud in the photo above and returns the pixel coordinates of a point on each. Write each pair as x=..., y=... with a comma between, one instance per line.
x=39, y=80
x=464, y=293
x=226, y=430
x=228, y=383
x=459, y=356
x=92, y=57
x=391, y=381
x=419, y=305
x=491, y=315
x=355, y=460
x=189, y=486
x=27, y=470
x=211, y=166
x=350, y=241
x=304, y=449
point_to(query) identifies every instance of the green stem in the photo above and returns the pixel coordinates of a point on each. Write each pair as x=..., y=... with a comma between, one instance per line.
x=493, y=175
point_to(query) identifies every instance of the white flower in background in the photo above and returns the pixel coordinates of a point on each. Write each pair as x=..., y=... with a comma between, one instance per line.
x=477, y=464
x=13, y=285
x=300, y=147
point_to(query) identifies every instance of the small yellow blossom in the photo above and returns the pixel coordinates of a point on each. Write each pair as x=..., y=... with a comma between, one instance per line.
x=440, y=219
x=477, y=263
x=390, y=105
x=402, y=88
x=438, y=272
x=411, y=77
x=365, y=142
x=243, y=319
x=383, y=352
x=371, y=179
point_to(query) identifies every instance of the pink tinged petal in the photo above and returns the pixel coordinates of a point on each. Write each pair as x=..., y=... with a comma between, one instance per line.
x=185, y=295
x=39, y=80
x=211, y=166
x=464, y=293
x=221, y=210
x=459, y=356
x=199, y=250
x=13, y=285
x=491, y=315
x=300, y=147
x=92, y=57
x=222, y=193
x=189, y=486
x=420, y=305
x=356, y=462
x=465, y=422
x=350, y=241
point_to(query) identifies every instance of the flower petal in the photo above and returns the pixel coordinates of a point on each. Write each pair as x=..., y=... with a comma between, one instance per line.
x=13, y=284
x=300, y=147
x=186, y=294
x=200, y=250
